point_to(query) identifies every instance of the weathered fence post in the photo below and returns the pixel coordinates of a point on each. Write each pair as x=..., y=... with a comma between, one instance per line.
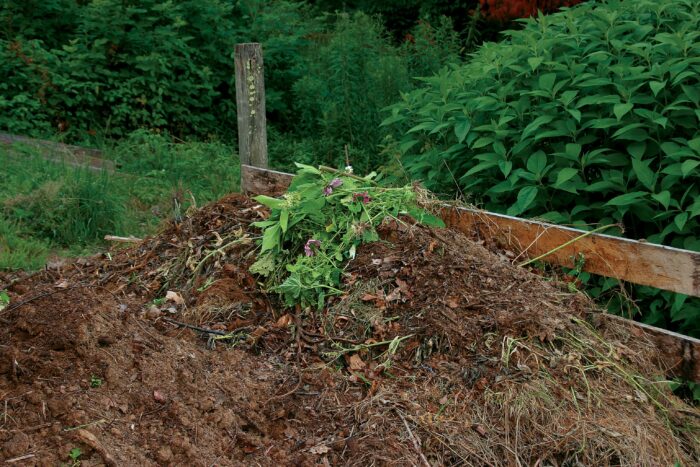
x=250, y=103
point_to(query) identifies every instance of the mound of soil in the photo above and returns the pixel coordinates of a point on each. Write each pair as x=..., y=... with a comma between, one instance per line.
x=440, y=353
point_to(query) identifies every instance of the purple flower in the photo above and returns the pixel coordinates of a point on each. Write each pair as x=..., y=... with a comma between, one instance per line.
x=364, y=197
x=309, y=243
x=335, y=183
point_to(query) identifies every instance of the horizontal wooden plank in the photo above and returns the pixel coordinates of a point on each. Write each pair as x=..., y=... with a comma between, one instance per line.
x=59, y=152
x=630, y=260
x=255, y=180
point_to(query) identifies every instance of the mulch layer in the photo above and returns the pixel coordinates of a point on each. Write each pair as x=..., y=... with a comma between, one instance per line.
x=439, y=353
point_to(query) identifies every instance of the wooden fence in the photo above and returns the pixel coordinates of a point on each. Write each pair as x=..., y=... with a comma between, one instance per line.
x=638, y=262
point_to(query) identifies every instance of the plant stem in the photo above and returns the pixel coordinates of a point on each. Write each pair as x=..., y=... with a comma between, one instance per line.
x=565, y=244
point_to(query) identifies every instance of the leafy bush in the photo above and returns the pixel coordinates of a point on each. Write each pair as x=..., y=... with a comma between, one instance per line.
x=585, y=116
x=316, y=227
x=121, y=65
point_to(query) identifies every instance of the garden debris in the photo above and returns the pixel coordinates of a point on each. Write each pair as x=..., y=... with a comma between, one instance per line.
x=438, y=352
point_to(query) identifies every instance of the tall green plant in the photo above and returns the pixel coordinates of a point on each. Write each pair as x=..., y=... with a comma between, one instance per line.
x=586, y=116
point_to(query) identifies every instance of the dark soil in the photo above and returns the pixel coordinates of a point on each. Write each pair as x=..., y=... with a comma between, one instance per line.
x=440, y=353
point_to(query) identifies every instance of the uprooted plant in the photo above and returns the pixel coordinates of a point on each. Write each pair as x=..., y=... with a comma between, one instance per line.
x=316, y=227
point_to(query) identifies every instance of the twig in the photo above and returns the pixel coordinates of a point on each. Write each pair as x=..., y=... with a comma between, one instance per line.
x=115, y=238
x=416, y=444
x=20, y=458
x=195, y=328
x=297, y=320
x=565, y=244
x=73, y=428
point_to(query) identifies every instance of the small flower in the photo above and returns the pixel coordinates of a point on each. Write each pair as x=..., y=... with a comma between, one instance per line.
x=335, y=183
x=348, y=169
x=364, y=197
x=309, y=243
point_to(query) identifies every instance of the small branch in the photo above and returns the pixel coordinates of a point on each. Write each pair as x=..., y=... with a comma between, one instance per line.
x=20, y=458
x=416, y=444
x=115, y=238
x=565, y=244
x=195, y=328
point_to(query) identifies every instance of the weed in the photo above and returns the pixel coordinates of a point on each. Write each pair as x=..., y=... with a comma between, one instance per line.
x=95, y=381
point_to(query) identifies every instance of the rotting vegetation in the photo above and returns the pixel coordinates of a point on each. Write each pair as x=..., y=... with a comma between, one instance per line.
x=436, y=352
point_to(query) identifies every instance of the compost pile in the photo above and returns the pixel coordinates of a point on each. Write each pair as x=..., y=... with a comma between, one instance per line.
x=439, y=352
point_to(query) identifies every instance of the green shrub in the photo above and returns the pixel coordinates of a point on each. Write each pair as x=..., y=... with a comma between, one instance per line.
x=585, y=116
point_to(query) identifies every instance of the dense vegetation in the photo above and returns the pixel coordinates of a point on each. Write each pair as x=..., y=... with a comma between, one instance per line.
x=47, y=208
x=585, y=117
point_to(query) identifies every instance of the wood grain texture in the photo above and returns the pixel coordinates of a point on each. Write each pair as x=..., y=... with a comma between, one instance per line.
x=257, y=181
x=250, y=105
x=629, y=260
x=57, y=152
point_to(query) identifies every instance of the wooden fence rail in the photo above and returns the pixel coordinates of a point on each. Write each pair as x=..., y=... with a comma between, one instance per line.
x=58, y=152
x=629, y=260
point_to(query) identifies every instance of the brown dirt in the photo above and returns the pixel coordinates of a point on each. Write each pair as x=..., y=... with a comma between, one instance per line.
x=494, y=366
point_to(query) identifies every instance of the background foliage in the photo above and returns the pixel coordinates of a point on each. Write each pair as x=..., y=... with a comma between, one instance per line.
x=587, y=116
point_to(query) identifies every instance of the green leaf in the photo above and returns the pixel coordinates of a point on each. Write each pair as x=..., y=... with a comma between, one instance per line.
x=627, y=128
x=462, y=127
x=664, y=198
x=406, y=145
x=565, y=175
x=272, y=203
x=657, y=86
x=505, y=167
x=284, y=220
x=643, y=172
x=688, y=166
x=627, y=199
x=271, y=238
x=573, y=150
x=537, y=162
x=637, y=149
x=4, y=300
x=534, y=62
x=695, y=145
x=546, y=81
x=680, y=220
x=526, y=196
x=535, y=125
x=620, y=110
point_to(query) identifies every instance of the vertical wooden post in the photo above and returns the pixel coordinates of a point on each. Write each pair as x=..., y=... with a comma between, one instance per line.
x=250, y=105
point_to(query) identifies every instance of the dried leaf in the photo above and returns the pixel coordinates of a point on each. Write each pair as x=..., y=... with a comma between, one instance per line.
x=320, y=449
x=356, y=362
x=174, y=297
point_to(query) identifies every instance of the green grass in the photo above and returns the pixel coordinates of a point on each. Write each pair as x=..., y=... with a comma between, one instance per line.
x=49, y=208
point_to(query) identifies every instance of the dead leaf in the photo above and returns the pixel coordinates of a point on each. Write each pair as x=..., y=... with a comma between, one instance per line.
x=61, y=285
x=453, y=302
x=356, y=362
x=174, y=297
x=480, y=429
x=394, y=295
x=320, y=449
x=284, y=321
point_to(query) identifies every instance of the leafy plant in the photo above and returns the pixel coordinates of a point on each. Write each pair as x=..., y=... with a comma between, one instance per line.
x=316, y=227
x=95, y=381
x=74, y=455
x=587, y=116
x=4, y=300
